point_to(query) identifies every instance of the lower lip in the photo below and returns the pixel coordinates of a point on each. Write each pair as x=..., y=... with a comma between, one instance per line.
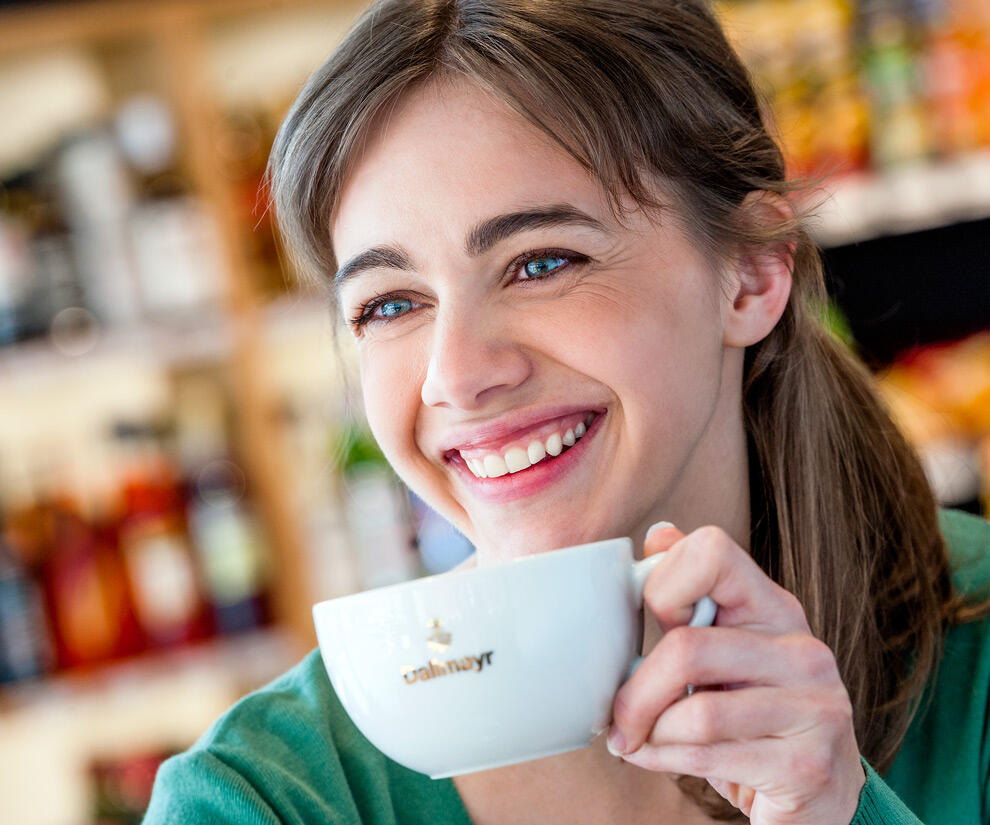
x=533, y=479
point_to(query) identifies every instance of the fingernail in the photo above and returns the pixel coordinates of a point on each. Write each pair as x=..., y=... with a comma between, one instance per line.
x=659, y=525
x=616, y=743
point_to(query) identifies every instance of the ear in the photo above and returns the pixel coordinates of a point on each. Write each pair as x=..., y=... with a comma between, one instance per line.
x=758, y=281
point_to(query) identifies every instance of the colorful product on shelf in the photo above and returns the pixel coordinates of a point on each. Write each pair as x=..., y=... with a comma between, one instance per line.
x=940, y=397
x=121, y=786
x=88, y=593
x=26, y=647
x=225, y=534
x=378, y=512
x=875, y=83
x=161, y=568
x=229, y=545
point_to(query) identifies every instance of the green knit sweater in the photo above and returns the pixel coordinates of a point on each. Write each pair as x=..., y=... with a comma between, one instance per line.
x=290, y=754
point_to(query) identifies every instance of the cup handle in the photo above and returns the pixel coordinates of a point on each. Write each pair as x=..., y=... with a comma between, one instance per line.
x=704, y=608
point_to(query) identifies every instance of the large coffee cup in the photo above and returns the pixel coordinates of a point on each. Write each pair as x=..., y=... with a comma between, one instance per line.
x=489, y=666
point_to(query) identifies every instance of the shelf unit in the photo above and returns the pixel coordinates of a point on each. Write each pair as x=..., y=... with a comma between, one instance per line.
x=853, y=208
x=908, y=198
x=177, y=33
x=51, y=728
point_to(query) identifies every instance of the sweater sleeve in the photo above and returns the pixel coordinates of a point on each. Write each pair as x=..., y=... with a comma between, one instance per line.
x=879, y=805
x=198, y=786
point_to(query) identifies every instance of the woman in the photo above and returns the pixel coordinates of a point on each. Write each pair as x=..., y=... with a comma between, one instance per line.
x=560, y=235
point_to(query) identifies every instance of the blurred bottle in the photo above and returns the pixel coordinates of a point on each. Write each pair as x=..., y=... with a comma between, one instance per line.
x=152, y=530
x=957, y=60
x=97, y=197
x=85, y=582
x=14, y=271
x=225, y=533
x=378, y=512
x=890, y=54
x=331, y=563
x=177, y=253
x=26, y=647
x=53, y=283
x=121, y=786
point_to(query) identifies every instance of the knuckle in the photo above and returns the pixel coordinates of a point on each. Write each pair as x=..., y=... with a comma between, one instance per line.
x=624, y=714
x=837, y=711
x=793, y=608
x=704, y=718
x=718, y=543
x=652, y=594
x=680, y=651
x=814, y=657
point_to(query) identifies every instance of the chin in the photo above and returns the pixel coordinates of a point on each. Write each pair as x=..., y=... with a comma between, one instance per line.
x=510, y=544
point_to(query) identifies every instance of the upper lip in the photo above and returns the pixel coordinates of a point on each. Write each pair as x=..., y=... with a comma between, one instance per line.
x=508, y=428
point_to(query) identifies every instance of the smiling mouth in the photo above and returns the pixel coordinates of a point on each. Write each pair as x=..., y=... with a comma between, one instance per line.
x=528, y=452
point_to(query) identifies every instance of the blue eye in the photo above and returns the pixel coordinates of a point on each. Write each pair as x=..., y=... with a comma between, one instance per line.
x=536, y=267
x=389, y=310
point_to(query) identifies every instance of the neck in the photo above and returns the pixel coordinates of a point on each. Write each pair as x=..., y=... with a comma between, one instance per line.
x=713, y=486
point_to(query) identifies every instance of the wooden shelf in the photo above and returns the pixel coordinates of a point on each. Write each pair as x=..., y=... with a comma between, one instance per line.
x=55, y=24
x=247, y=660
x=176, y=36
x=906, y=198
x=200, y=337
x=52, y=729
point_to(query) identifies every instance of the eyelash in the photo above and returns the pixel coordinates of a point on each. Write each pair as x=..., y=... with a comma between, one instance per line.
x=365, y=312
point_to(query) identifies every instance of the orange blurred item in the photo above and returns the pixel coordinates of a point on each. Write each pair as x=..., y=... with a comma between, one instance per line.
x=87, y=590
x=161, y=568
x=951, y=380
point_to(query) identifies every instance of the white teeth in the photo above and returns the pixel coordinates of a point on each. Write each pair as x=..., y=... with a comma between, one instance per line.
x=516, y=459
x=536, y=451
x=495, y=466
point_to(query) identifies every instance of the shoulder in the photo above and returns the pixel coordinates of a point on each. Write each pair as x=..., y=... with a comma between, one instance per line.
x=968, y=540
x=276, y=755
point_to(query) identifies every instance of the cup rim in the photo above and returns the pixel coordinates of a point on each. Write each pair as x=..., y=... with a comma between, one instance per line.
x=540, y=557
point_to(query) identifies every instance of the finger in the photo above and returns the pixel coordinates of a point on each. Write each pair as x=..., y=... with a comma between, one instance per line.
x=660, y=537
x=711, y=656
x=774, y=766
x=749, y=713
x=707, y=562
x=801, y=777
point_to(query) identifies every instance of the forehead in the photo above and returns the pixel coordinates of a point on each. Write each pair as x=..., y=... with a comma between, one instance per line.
x=446, y=156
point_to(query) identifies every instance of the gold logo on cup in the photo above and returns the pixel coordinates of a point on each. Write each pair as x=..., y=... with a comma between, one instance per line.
x=439, y=639
x=434, y=667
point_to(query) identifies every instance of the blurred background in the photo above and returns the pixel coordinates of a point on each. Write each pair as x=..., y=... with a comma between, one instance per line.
x=184, y=466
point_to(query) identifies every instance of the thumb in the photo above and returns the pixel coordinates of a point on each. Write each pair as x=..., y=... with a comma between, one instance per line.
x=661, y=536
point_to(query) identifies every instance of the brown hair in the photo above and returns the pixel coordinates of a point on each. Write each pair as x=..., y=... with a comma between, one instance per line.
x=640, y=91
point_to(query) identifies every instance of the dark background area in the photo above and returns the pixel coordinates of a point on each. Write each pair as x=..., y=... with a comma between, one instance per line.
x=902, y=291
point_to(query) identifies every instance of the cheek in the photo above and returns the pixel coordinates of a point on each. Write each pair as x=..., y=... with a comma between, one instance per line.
x=391, y=398
x=654, y=340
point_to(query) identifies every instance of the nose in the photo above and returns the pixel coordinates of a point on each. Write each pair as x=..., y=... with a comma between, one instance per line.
x=471, y=361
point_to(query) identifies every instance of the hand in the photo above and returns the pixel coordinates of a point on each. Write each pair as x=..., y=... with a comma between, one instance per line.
x=778, y=741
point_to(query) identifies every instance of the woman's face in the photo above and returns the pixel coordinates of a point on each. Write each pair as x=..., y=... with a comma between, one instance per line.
x=513, y=297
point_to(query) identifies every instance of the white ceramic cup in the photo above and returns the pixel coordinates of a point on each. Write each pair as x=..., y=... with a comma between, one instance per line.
x=488, y=666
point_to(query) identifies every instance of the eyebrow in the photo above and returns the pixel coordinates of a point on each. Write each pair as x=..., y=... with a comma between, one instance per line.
x=480, y=239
